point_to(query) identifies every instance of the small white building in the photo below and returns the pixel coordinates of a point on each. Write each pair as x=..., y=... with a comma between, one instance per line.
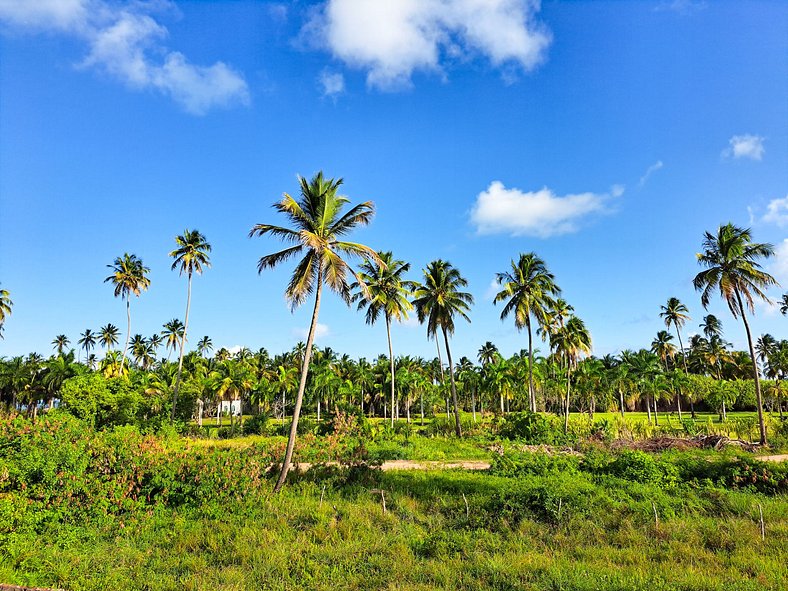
x=232, y=407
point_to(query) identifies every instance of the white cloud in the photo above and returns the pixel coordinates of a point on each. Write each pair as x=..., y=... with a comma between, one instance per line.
x=391, y=40
x=539, y=213
x=492, y=290
x=126, y=43
x=412, y=321
x=321, y=330
x=777, y=212
x=649, y=171
x=234, y=349
x=332, y=83
x=745, y=146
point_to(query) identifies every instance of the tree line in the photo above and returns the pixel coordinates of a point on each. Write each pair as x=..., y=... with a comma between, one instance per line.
x=319, y=223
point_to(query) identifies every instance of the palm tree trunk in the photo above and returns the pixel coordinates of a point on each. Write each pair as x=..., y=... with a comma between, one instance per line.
x=621, y=399
x=457, y=428
x=566, y=408
x=473, y=403
x=531, y=392
x=301, y=387
x=684, y=359
x=128, y=334
x=391, y=365
x=761, y=424
x=183, y=343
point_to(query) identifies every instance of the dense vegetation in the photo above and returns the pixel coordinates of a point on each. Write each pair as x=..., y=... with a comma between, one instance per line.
x=87, y=509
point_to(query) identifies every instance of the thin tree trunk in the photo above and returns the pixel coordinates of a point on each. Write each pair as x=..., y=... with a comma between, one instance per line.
x=183, y=343
x=531, y=391
x=421, y=396
x=761, y=424
x=621, y=399
x=457, y=428
x=301, y=387
x=656, y=414
x=566, y=409
x=128, y=335
x=473, y=403
x=648, y=408
x=391, y=365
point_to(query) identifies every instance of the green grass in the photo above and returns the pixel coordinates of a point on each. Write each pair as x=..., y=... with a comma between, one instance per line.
x=603, y=539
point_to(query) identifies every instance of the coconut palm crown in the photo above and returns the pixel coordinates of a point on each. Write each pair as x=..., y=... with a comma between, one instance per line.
x=318, y=228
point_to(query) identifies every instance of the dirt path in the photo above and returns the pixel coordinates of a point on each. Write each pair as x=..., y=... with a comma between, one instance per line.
x=777, y=458
x=411, y=465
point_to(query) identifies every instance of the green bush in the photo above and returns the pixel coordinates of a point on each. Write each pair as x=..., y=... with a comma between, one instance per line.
x=641, y=467
x=515, y=464
x=257, y=425
x=532, y=428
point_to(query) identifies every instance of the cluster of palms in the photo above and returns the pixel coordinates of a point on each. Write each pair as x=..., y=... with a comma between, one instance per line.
x=528, y=292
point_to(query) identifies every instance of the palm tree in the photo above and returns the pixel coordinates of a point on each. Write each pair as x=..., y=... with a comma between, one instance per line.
x=172, y=333
x=385, y=291
x=712, y=326
x=570, y=341
x=5, y=308
x=129, y=276
x=437, y=301
x=663, y=348
x=784, y=304
x=676, y=313
x=528, y=290
x=108, y=336
x=204, y=345
x=190, y=256
x=88, y=341
x=731, y=261
x=155, y=341
x=60, y=343
x=318, y=226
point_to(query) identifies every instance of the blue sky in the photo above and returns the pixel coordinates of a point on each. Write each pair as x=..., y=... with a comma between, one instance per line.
x=604, y=136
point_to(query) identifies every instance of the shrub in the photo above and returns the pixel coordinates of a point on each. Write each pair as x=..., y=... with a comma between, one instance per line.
x=514, y=464
x=532, y=428
x=641, y=467
x=257, y=425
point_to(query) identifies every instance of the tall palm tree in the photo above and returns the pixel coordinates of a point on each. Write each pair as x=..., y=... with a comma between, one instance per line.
x=204, y=345
x=172, y=333
x=437, y=301
x=60, y=343
x=155, y=341
x=129, y=276
x=87, y=340
x=677, y=314
x=712, y=326
x=385, y=291
x=5, y=308
x=191, y=257
x=570, y=342
x=318, y=228
x=108, y=336
x=732, y=267
x=663, y=348
x=528, y=290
